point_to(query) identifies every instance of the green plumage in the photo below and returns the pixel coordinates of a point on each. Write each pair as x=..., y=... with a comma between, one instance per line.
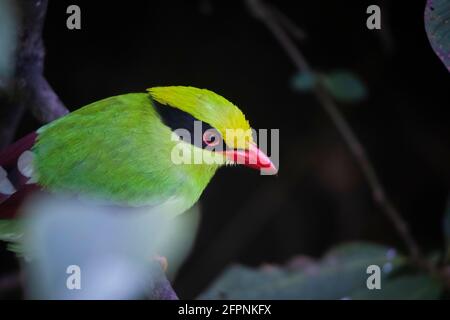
x=12, y=231
x=117, y=150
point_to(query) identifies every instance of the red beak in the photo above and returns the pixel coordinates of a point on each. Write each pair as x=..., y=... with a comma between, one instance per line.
x=253, y=158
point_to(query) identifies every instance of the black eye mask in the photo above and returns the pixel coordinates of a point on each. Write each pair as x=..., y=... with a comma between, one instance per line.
x=175, y=119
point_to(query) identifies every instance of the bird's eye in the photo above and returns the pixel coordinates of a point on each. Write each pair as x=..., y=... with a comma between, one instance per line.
x=211, y=137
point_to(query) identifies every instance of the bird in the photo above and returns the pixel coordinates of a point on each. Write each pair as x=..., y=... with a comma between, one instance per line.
x=156, y=149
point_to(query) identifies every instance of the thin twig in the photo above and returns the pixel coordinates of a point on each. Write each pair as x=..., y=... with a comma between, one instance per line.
x=288, y=24
x=262, y=11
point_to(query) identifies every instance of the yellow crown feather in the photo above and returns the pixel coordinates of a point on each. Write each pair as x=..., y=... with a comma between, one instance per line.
x=208, y=107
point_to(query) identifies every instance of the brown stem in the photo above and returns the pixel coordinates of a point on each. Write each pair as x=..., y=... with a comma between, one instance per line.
x=287, y=23
x=263, y=12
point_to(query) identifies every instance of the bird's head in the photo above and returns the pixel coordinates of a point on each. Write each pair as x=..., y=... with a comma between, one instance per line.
x=223, y=127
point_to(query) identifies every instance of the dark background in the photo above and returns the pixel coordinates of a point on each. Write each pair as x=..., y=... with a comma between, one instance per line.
x=319, y=198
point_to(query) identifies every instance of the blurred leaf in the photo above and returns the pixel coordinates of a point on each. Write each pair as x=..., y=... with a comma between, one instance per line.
x=407, y=287
x=344, y=86
x=304, y=81
x=114, y=247
x=437, y=17
x=8, y=36
x=341, y=272
x=180, y=239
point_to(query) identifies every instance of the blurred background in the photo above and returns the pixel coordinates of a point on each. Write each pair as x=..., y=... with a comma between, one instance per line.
x=320, y=198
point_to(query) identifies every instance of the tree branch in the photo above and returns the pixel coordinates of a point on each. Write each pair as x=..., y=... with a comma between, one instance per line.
x=263, y=12
x=32, y=86
x=28, y=88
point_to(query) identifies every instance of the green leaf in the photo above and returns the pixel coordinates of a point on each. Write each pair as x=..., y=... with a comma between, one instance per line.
x=341, y=272
x=437, y=26
x=407, y=287
x=344, y=86
x=304, y=81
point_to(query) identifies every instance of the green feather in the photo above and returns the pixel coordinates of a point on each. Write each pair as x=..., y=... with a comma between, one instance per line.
x=12, y=231
x=117, y=150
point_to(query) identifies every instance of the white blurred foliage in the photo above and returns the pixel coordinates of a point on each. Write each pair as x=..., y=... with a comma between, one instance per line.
x=180, y=239
x=114, y=248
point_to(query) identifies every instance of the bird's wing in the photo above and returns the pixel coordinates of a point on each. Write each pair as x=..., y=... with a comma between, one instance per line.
x=115, y=150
